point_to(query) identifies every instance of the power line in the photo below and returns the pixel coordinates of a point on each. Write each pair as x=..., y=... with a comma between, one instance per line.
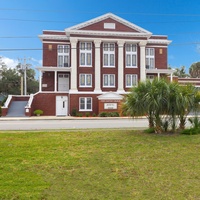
x=35, y=20
x=92, y=12
x=15, y=37
x=75, y=22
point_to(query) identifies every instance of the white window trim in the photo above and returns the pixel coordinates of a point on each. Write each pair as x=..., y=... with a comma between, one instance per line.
x=109, y=52
x=63, y=54
x=108, y=86
x=85, y=81
x=132, y=78
x=131, y=53
x=85, y=51
x=149, y=57
x=85, y=104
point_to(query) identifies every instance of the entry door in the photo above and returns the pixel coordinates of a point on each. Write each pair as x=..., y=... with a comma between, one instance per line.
x=63, y=82
x=61, y=105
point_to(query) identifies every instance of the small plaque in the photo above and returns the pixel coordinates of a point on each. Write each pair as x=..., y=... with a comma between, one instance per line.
x=110, y=105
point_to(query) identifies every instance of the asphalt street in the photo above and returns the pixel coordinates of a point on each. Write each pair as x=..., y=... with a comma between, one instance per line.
x=56, y=123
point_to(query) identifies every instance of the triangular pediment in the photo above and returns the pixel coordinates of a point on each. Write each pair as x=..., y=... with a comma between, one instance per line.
x=110, y=96
x=108, y=23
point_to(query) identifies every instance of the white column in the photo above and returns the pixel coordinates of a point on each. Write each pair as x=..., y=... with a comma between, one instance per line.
x=142, y=60
x=97, y=88
x=120, y=88
x=73, y=65
x=40, y=81
x=158, y=76
x=55, y=81
x=171, y=77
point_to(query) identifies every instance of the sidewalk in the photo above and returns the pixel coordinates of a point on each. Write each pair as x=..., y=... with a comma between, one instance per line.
x=59, y=118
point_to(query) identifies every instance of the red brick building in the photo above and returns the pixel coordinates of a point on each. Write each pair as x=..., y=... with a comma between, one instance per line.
x=90, y=66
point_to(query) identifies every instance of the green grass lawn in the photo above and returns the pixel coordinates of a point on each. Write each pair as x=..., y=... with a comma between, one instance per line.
x=100, y=164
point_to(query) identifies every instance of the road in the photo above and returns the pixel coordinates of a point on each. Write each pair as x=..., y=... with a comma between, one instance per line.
x=69, y=123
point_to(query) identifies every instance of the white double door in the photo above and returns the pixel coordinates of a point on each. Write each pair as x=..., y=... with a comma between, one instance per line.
x=61, y=105
x=63, y=82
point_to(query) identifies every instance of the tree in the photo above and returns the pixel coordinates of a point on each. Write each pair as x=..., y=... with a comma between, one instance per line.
x=11, y=81
x=194, y=70
x=162, y=102
x=135, y=104
x=149, y=99
x=180, y=72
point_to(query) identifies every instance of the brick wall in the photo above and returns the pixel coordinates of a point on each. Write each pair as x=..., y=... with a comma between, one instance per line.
x=74, y=103
x=102, y=109
x=46, y=102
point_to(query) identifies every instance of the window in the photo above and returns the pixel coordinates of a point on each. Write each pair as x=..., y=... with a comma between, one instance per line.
x=131, y=80
x=85, y=104
x=85, y=80
x=150, y=77
x=131, y=55
x=150, y=58
x=63, y=55
x=86, y=54
x=109, y=80
x=108, y=54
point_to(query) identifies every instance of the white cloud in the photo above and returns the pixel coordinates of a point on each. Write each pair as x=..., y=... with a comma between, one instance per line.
x=36, y=62
x=10, y=63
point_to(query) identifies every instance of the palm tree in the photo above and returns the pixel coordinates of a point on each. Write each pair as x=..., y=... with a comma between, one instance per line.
x=194, y=70
x=180, y=72
x=157, y=102
x=174, y=101
x=162, y=102
x=149, y=99
x=188, y=101
x=135, y=103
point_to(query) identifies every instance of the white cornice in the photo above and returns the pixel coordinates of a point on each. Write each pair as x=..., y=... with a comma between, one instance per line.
x=55, y=42
x=110, y=95
x=162, y=71
x=159, y=41
x=109, y=33
x=106, y=16
x=53, y=69
x=53, y=37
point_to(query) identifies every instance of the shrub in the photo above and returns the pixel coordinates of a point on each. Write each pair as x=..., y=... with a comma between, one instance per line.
x=114, y=114
x=109, y=114
x=3, y=102
x=191, y=131
x=149, y=130
x=0, y=111
x=94, y=115
x=74, y=112
x=79, y=115
x=87, y=114
x=38, y=112
x=195, y=122
x=103, y=114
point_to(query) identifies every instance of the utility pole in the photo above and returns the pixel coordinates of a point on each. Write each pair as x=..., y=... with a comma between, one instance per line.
x=24, y=66
x=22, y=86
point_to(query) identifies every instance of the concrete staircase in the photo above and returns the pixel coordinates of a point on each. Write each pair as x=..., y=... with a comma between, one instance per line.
x=16, y=109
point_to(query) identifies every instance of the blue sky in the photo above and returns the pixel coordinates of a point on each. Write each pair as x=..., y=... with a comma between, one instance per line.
x=21, y=22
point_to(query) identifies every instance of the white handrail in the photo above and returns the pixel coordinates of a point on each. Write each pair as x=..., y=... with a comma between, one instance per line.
x=29, y=101
x=7, y=101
